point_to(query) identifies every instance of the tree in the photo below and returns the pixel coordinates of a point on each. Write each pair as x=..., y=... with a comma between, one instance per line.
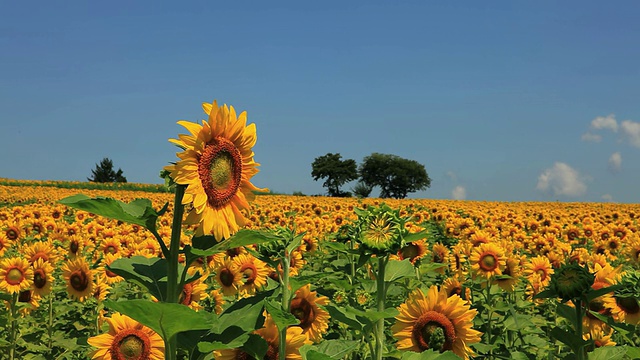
x=396, y=176
x=104, y=173
x=336, y=171
x=362, y=190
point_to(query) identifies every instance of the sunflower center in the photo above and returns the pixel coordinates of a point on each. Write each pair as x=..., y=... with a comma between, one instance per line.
x=25, y=296
x=12, y=234
x=79, y=280
x=303, y=311
x=628, y=304
x=110, y=250
x=226, y=277
x=542, y=273
x=250, y=273
x=488, y=262
x=433, y=329
x=411, y=251
x=39, y=255
x=130, y=344
x=74, y=246
x=220, y=171
x=15, y=276
x=39, y=279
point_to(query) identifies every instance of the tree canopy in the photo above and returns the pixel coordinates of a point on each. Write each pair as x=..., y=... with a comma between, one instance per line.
x=104, y=173
x=396, y=176
x=337, y=172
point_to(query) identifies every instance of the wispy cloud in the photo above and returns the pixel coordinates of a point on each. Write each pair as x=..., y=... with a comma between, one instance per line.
x=607, y=197
x=591, y=137
x=615, y=162
x=631, y=131
x=459, y=193
x=452, y=176
x=561, y=179
x=605, y=122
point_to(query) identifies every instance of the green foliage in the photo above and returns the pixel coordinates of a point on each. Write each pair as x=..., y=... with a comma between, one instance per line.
x=337, y=172
x=396, y=176
x=104, y=173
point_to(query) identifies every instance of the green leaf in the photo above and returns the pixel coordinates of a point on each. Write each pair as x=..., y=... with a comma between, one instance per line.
x=282, y=318
x=340, y=314
x=567, y=312
x=139, y=211
x=165, y=319
x=150, y=273
x=633, y=352
x=295, y=242
x=592, y=294
x=207, y=245
x=545, y=294
x=337, y=349
x=430, y=355
x=416, y=236
x=245, y=313
x=569, y=339
x=608, y=353
x=399, y=269
x=517, y=355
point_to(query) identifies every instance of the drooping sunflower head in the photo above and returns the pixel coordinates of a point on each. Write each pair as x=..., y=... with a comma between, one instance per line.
x=314, y=320
x=571, y=281
x=79, y=278
x=216, y=166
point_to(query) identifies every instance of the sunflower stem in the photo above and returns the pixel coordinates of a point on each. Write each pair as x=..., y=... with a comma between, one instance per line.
x=286, y=302
x=580, y=353
x=13, y=318
x=173, y=288
x=352, y=260
x=50, y=323
x=380, y=301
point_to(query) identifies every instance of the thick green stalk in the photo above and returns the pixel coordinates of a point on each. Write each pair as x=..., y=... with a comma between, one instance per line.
x=352, y=261
x=380, y=301
x=286, y=303
x=50, y=324
x=171, y=345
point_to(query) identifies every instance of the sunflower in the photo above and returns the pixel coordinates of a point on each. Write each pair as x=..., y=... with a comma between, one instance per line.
x=216, y=165
x=79, y=278
x=216, y=301
x=414, y=251
x=15, y=275
x=435, y=321
x=254, y=273
x=513, y=270
x=600, y=337
x=228, y=276
x=42, y=277
x=314, y=320
x=453, y=286
x=109, y=276
x=127, y=339
x=623, y=308
x=440, y=253
x=44, y=250
x=541, y=268
x=487, y=260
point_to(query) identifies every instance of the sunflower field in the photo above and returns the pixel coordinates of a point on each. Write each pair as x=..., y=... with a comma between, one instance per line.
x=209, y=270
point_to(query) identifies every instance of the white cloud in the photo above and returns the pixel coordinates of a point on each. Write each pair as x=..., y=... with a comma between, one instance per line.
x=605, y=122
x=607, y=197
x=615, y=162
x=591, y=137
x=631, y=130
x=561, y=179
x=459, y=193
x=452, y=176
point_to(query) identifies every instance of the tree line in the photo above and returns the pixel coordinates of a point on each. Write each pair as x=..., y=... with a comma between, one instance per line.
x=395, y=176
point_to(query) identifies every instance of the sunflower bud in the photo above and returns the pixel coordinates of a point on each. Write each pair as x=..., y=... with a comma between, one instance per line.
x=381, y=230
x=571, y=281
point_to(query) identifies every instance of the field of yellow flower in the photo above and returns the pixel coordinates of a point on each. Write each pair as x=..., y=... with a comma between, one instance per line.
x=485, y=280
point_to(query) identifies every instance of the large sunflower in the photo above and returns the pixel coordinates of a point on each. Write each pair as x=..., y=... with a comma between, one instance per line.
x=127, y=339
x=314, y=320
x=216, y=165
x=254, y=273
x=435, y=321
x=79, y=278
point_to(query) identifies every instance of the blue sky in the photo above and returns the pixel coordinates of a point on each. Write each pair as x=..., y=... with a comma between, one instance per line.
x=508, y=101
